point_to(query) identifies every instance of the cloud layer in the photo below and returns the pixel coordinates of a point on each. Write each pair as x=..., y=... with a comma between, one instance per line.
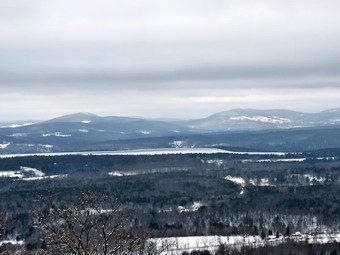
x=152, y=58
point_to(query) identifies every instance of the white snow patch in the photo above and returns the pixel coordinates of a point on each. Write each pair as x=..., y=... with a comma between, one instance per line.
x=18, y=134
x=60, y=134
x=177, y=245
x=281, y=160
x=4, y=145
x=13, y=242
x=121, y=173
x=145, y=132
x=44, y=177
x=29, y=174
x=161, y=151
x=237, y=180
x=31, y=170
x=312, y=178
x=46, y=145
x=274, y=120
x=24, y=172
x=176, y=144
x=86, y=121
x=11, y=174
x=325, y=158
x=17, y=125
x=193, y=208
x=83, y=130
x=218, y=162
x=260, y=182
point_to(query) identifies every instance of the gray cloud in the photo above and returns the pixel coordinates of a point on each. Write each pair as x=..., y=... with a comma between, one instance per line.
x=166, y=53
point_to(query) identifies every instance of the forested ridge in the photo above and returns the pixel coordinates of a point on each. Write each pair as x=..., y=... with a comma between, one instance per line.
x=182, y=194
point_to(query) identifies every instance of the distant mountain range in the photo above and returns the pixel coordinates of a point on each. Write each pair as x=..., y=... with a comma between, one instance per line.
x=249, y=119
x=82, y=131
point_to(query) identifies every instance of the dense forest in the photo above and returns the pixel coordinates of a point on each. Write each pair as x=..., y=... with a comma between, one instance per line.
x=181, y=194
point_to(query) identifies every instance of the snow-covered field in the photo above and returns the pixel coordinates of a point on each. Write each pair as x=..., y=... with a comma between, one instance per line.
x=28, y=174
x=177, y=245
x=4, y=145
x=145, y=152
x=17, y=125
x=13, y=242
x=60, y=134
x=274, y=120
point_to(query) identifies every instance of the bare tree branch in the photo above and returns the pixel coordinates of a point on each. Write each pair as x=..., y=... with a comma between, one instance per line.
x=95, y=224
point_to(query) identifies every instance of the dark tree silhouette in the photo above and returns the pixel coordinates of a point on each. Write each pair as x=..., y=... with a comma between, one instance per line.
x=95, y=224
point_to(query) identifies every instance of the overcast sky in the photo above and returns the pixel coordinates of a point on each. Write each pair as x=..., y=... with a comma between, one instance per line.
x=167, y=58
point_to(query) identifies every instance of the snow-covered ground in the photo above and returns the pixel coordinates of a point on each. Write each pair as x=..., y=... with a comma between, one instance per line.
x=259, y=182
x=86, y=121
x=145, y=132
x=28, y=174
x=312, y=178
x=176, y=144
x=192, y=208
x=44, y=177
x=274, y=160
x=59, y=134
x=11, y=174
x=121, y=173
x=13, y=242
x=177, y=245
x=274, y=120
x=285, y=160
x=4, y=145
x=161, y=151
x=17, y=125
x=218, y=162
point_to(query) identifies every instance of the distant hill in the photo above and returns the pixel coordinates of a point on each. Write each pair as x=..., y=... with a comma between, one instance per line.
x=249, y=119
x=238, y=127
x=299, y=139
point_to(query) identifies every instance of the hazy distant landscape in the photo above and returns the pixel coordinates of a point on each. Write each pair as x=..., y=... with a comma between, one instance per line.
x=173, y=127
x=245, y=129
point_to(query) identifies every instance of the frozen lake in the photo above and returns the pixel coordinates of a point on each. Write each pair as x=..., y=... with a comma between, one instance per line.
x=144, y=152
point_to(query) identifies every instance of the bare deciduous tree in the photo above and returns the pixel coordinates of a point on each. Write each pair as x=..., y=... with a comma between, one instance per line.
x=95, y=224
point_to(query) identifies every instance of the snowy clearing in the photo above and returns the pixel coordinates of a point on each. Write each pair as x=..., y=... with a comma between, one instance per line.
x=120, y=173
x=4, y=145
x=59, y=134
x=274, y=120
x=17, y=125
x=177, y=245
x=44, y=177
x=145, y=132
x=11, y=174
x=260, y=182
x=13, y=242
x=193, y=208
x=176, y=144
x=28, y=174
x=274, y=160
